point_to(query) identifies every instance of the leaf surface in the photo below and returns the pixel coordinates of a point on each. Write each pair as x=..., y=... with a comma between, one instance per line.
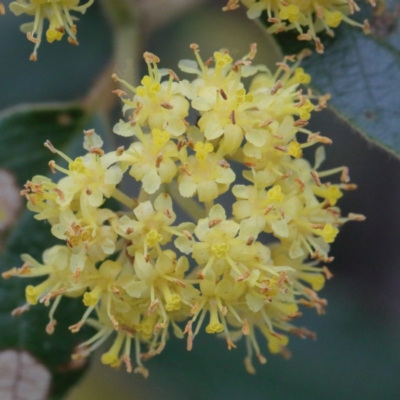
x=22, y=134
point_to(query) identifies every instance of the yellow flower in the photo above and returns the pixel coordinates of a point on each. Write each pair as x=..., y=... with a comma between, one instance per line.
x=305, y=16
x=205, y=174
x=58, y=14
x=152, y=159
x=60, y=280
x=151, y=225
x=160, y=105
x=92, y=177
x=128, y=267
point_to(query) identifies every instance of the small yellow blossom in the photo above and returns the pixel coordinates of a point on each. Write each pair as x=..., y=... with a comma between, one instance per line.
x=138, y=272
x=152, y=159
x=158, y=104
x=58, y=14
x=294, y=149
x=306, y=17
x=208, y=176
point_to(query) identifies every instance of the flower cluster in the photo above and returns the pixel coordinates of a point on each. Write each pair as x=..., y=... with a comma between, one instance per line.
x=58, y=14
x=142, y=274
x=305, y=16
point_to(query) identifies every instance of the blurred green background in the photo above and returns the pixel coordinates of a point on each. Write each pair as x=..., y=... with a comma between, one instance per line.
x=357, y=354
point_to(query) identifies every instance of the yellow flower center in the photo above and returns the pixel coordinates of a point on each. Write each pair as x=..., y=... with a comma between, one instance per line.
x=173, y=303
x=220, y=249
x=153, y=237
x=301, y=77
x=294, y=149
x=202, y=149
x=275, y=194
x=291, y=13
x=331, y=193
x=222, y=59
x=329, y=233
x=333, y=19
x=305, y=110
x=214, y=326
x=77, y=166
x=149, y=87
x=160, y=137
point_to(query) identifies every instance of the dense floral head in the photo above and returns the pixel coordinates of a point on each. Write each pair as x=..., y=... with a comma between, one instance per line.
x=306, y=17
x=143, y=274
x=58, y=12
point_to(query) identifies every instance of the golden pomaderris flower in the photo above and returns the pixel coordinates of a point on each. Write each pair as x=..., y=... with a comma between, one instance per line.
x=141, y=273
x=306, y=17
x=58, y=12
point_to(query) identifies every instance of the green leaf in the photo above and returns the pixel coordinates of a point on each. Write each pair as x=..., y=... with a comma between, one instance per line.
x=361, y=72
x=23, y=130
x=22, y=133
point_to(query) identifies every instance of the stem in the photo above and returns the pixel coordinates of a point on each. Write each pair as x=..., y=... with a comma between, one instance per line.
x=208, y=205
x=188, y=205
x=143, y=195
x=127, y=46
x=124, y=199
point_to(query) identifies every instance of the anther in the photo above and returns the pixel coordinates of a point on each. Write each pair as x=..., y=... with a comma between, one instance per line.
x=174, y=75
x=277, y=86
x=50, y=327
x=52, y=164
x=208, y=62
x=344, y=177
x=20, y=310
x=73, y=41
x=150, y=58
x=168, y=213
x=60, y=194
x=357, y=217
x=300, y=123
x=153, y=306
x=233, y=118
x=315, y=176
x=49, y=146
x=266, y=123
x=250, y=241
x=366, y=27
x=319, y=46
x=189, y=331
x=223, y=164
x=214, y=222
x=232, y=5
x=300, y=183
x=243, y=277
x=159, y=160
x=97, y=151
x=328, y=274
x=167, y=106
x=223, y=94
x=246, y=328
x=180, y=283
x=187, y=234
x=119, y=93
x=305, y=36
x=76, y=327
x=32, y=39
x=283, y=66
